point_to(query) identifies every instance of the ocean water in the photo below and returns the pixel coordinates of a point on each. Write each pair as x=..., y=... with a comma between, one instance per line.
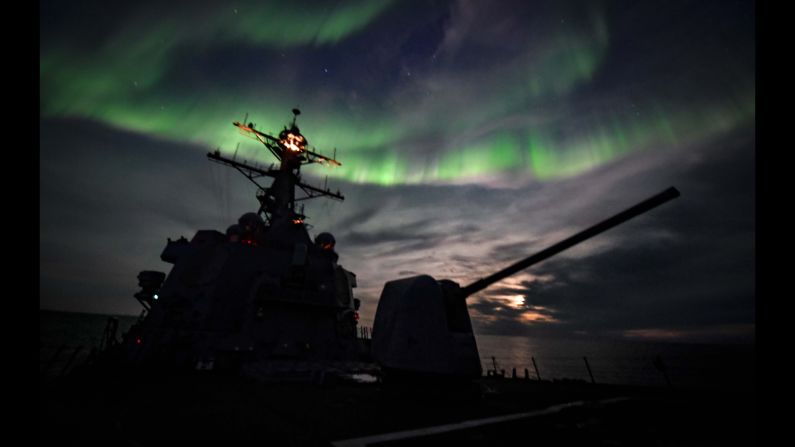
x=66, y=339
x=622, y=361
x=65, y=335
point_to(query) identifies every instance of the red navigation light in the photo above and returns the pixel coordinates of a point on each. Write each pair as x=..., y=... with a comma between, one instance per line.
x=138, y=340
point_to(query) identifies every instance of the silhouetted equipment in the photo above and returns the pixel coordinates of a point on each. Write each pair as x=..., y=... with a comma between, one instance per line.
x=264, y=293
x=150, y=282
x=535, y=365
x=109, y=335
x=422, y=325
x=325, y=241
x=588, y=367
x=260, y=293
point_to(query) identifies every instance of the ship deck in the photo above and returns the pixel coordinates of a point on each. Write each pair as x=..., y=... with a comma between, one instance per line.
x=202, y=408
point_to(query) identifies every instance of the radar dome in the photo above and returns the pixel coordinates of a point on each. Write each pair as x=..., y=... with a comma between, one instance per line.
x=250, y=222
x=325, y=241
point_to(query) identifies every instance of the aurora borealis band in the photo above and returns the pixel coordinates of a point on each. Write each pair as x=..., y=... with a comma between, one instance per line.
x=539, y=111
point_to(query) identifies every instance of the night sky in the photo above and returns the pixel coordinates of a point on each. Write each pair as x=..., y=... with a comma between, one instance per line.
x=471, y=134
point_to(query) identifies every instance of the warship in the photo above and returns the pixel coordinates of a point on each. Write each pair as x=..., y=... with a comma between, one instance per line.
x=265, y=300
x=262, y=298
x=253, y=336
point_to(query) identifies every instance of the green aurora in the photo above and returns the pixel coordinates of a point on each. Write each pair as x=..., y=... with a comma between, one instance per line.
x=123, y=83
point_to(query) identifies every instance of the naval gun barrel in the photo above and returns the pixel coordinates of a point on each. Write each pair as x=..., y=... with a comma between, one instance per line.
x=640, y=208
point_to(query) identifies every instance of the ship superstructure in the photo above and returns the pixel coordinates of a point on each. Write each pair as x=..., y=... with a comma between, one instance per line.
x=261, y=294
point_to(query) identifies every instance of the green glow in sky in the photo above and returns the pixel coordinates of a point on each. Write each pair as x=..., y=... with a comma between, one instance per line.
x=134, y=59
x=551, y=158
x=286, y=24
x=572, y=59
x=123, y=83
x=545, y=153
x=488, y=157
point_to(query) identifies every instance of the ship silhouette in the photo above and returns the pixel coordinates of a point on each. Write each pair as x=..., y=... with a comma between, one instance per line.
x=264, y=299
x=253, y=337
x=262, y=295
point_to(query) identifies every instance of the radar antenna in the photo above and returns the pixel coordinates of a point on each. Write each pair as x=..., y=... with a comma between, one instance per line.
x=292, y=150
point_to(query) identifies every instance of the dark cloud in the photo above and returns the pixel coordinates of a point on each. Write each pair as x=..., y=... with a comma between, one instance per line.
x=109, y=200
x=689, y=264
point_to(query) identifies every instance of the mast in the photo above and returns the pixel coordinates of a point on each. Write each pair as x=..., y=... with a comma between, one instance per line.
x=292, y=150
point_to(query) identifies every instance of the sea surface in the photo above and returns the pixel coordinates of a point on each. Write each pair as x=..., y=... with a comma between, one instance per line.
x=66, y=339
x=626, y=362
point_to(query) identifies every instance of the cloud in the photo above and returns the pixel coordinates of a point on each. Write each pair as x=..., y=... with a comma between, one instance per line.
x=462, y=150
x=509, y=99
x=685, y=268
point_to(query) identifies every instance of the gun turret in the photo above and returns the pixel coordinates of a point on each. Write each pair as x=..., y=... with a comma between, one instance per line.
x=422, y=326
